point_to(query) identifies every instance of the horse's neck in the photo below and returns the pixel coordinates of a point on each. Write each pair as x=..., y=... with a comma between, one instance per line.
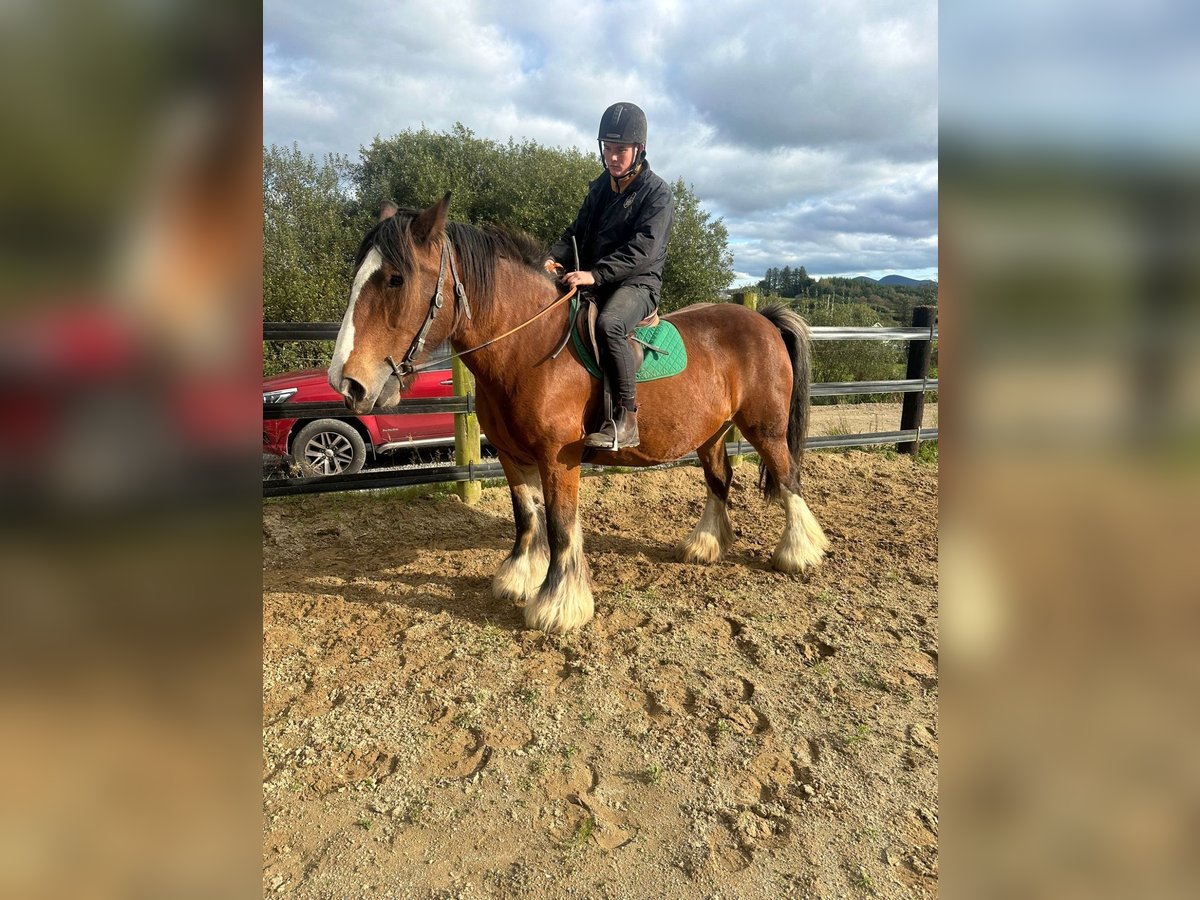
x=517, y=298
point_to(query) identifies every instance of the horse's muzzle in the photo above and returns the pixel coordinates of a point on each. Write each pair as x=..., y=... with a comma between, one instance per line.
x=355, y=395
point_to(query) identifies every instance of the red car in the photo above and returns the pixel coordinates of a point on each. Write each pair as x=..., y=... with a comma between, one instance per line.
x=339, y=446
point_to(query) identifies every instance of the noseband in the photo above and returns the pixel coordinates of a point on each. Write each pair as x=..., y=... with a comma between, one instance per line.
x=406, y=368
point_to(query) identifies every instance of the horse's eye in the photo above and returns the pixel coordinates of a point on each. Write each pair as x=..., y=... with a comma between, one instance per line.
x=395, y=281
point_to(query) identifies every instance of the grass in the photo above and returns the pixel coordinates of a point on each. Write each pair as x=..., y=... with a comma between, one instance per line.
x=468, y=718
x=583, y=831
x=856, y=737
x=416, y=808
x=568, y=752
x=653, y=774
x=488, y=639
x=871, y=680
x=644, y=601
x=864, y=880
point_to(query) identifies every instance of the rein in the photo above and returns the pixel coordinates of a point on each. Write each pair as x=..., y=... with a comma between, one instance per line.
x=406, y=368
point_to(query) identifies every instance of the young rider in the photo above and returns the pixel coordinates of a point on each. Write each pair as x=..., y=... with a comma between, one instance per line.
x=621, y=230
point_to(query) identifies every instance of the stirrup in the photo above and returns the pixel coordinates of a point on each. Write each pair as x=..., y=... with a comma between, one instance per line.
x=605, y=438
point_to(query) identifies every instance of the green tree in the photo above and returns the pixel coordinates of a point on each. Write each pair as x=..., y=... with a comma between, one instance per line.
x=699, y=265
x=537, y=189
x=311, y=230
x=522, y=185
x=851, y=360
x=315, y=214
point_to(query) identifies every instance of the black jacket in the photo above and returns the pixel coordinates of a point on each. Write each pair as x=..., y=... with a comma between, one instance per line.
x=622, y=237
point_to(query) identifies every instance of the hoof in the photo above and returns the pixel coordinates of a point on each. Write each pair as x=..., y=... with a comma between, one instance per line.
x=803, y=543
x=559, y=608
x=700, y=548
x=711, y=537
x=794, y=560
x=520, y=577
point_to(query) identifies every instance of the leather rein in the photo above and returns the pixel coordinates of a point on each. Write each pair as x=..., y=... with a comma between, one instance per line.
x=405, y=368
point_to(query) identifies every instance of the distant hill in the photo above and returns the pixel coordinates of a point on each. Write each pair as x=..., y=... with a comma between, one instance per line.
x=892, y=299
x=905, y=281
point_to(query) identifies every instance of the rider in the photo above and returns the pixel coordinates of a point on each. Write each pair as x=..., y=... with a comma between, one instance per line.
x=621, y=230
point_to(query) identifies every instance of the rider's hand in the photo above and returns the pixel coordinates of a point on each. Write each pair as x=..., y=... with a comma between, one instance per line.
x=579, y=279
x=553, y=267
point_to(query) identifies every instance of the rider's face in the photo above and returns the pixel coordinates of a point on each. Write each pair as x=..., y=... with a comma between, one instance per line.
x=618, y=157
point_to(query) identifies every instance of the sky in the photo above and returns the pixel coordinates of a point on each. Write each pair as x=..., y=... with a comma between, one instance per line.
x=810, y=128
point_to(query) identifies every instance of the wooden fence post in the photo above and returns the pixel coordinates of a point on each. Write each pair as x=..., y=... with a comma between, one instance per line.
x=466, y=433
x=748, y=299
x=912, y=412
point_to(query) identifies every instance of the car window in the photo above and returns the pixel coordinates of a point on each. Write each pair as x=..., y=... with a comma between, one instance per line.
x=441, y=353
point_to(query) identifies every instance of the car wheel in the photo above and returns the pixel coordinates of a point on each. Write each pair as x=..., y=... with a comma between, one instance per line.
x=328, y=447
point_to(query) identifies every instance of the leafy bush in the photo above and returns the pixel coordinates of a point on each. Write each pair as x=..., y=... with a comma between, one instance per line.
x=852, y=360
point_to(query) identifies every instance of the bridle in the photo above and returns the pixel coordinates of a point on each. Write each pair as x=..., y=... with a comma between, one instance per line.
x=405, y=368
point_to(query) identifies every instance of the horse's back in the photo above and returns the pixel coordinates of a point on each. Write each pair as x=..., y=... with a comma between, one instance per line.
x=730, y=326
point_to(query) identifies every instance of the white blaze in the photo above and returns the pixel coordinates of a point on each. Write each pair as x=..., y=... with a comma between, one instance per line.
x=371, y=264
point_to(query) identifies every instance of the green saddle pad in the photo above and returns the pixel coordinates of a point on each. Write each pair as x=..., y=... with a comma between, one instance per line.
x=670, y=357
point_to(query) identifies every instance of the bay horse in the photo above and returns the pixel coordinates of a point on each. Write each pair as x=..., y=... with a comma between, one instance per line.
x=745, y=367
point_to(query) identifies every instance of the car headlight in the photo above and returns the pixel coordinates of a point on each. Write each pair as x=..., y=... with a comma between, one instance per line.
x=274, y=398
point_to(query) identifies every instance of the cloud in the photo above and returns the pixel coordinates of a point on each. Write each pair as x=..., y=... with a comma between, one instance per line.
x=861, y=75
x=811, y=129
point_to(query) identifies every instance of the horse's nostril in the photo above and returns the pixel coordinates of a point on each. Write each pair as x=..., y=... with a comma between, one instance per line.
x=353, y=391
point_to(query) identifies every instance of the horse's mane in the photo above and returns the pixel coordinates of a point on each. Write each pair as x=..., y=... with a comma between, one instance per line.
x=476, y=250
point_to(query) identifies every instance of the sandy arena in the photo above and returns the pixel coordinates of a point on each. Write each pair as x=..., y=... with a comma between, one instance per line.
x=716, y=731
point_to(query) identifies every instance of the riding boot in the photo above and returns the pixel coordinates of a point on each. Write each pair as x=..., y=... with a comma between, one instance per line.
x=618, y=434
x=627, y=430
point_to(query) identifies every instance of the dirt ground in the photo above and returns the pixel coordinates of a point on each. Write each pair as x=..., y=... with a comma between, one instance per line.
x=861, y=418
x=719, y=731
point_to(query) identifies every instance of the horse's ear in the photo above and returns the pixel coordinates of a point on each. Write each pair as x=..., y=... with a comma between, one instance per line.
x=387, y=210
x=431, y=221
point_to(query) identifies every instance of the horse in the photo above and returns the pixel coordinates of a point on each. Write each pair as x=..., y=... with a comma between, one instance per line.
x=744, y=367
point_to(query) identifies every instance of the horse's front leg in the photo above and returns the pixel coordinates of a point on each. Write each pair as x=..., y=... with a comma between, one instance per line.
x=524, y=570
x=564, y=601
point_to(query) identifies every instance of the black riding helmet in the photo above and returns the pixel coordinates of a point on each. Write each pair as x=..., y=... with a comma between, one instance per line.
x=623, y=123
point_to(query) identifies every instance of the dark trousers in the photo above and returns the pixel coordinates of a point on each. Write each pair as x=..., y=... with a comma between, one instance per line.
x=619, y=314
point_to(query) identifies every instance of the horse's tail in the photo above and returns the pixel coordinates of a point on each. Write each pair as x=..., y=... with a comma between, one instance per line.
x=796, y=338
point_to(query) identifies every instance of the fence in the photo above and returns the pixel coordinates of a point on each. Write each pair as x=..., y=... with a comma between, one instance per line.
x=469, y=470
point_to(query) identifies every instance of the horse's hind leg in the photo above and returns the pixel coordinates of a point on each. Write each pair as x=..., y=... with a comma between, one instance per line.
x=803, y=543
x=713, y=535
x=524, y=570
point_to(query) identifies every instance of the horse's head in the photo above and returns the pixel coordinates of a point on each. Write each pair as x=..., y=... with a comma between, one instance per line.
x=395, y=280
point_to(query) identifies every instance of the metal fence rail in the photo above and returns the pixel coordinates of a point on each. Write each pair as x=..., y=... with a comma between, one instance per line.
x=328, y=331
x=848, y=388
x=420, y=405
x=370, y=481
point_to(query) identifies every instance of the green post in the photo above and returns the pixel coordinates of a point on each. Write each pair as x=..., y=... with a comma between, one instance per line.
x=748, y=299
x=466, y=433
